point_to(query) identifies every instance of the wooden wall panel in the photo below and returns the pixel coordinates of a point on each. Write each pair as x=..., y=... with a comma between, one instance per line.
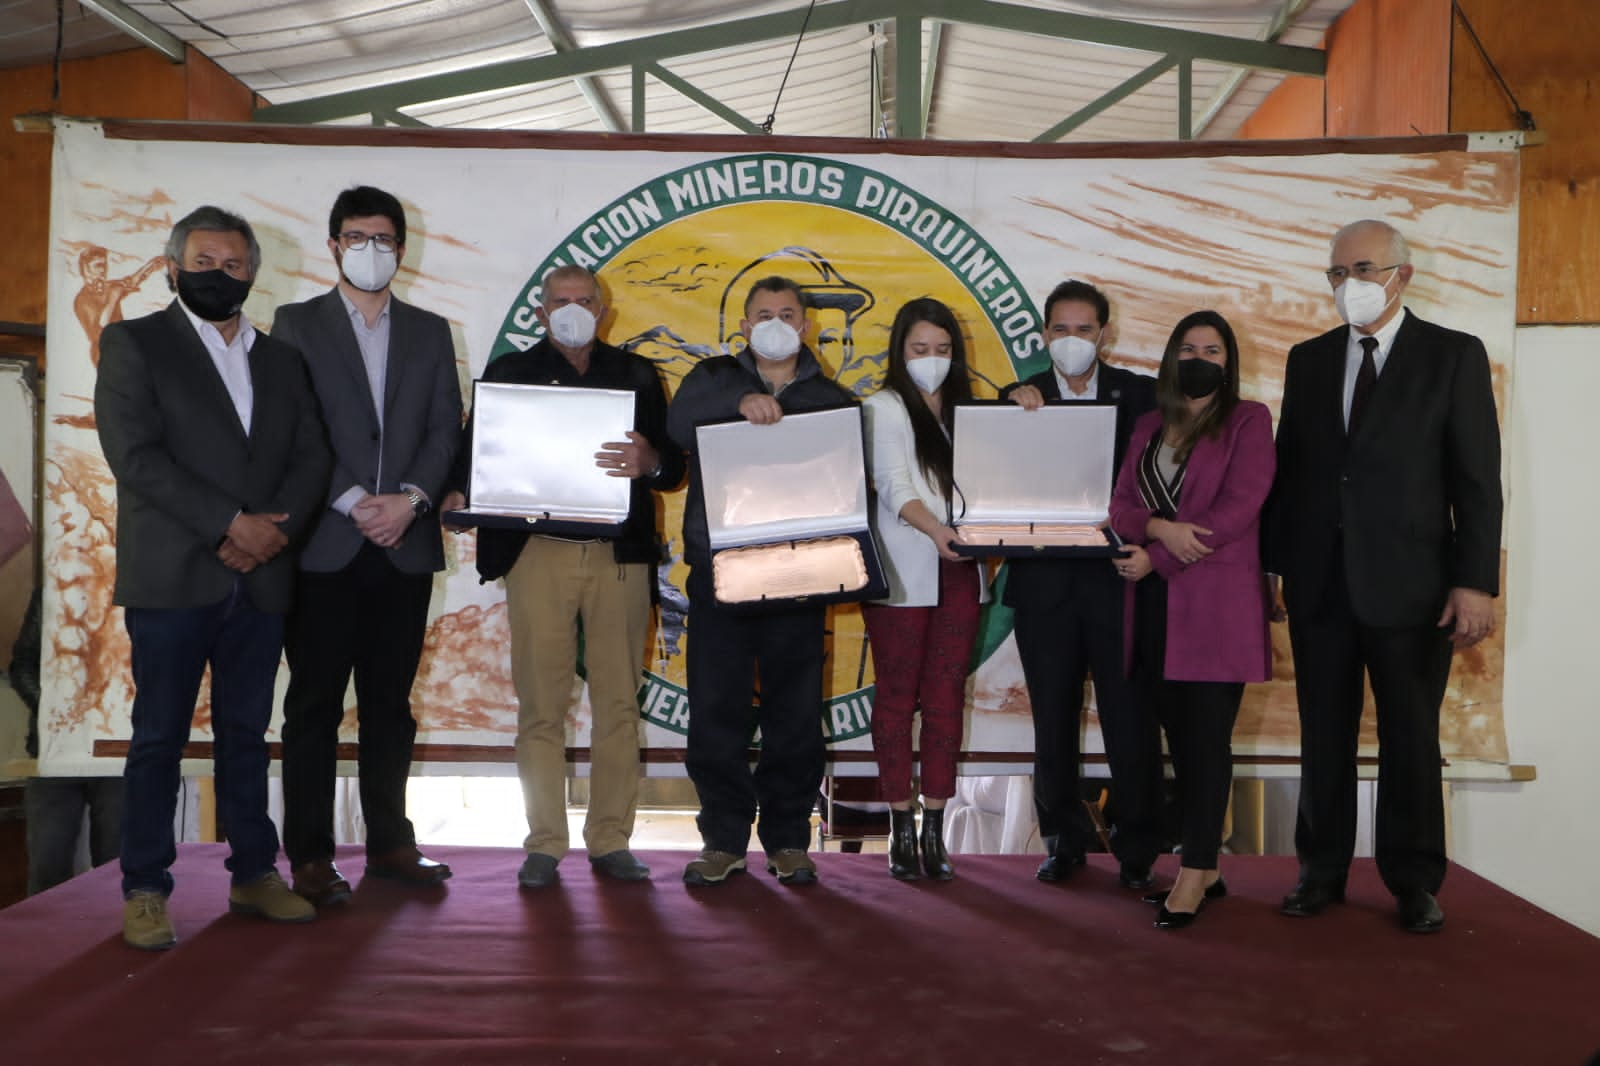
x=1550, y=63
x=1292, y=111
x=135, y=84
x=214, y=95
x=1389, y=69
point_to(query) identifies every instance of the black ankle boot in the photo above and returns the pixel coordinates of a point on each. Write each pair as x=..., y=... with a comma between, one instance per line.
x=903, y=845
x=935, y=861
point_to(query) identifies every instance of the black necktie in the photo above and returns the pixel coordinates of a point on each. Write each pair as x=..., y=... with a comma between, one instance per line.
x=1366, y=379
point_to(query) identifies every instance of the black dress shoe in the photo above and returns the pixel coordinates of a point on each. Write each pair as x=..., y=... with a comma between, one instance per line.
x=1215, y=890
x=1420, y=912
x=320, y=882
x=1310, y=899
x=408, y=866
x=1137, y=878
x=1058, y=867
x=620, y=865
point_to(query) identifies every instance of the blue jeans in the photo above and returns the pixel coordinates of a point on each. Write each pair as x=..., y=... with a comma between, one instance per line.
x=171, y=649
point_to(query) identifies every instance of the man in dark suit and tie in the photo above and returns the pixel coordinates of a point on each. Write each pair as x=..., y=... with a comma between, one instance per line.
x=211, y=432
x=1068, y=624
x=1385, y=529
x=385, y=376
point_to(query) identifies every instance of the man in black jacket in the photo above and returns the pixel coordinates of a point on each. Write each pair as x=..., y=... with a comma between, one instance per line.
x=774, y=375
x=556, y=584
x=1385, y=527
x=1068, y=624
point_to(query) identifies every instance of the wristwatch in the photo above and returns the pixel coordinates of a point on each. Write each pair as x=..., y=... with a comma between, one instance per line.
x=419, y=504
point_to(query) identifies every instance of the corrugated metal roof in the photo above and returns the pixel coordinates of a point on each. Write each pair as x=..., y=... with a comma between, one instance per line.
x=989, y=83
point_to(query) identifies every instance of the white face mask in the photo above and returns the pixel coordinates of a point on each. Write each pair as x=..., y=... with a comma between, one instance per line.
x=929, y=372
x=572, y=325
x=774, y=339
x=1072, y=355
x=369, y=269
x=1361, y=303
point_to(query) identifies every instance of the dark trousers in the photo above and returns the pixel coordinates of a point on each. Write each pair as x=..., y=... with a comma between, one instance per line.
x=55, y=808
x=171, y=648
x=727, y=649
x=369, y=620
x=1059, y=648
x=1408, y=668
x=1198, y=717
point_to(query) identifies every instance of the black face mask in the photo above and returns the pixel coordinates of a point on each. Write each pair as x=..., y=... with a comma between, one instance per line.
x=1198, y=378
x=214, y=295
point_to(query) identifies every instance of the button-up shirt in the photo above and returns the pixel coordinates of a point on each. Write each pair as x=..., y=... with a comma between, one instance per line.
x=231, y=358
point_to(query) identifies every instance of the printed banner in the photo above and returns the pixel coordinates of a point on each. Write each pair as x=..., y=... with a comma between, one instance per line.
x=677, y=237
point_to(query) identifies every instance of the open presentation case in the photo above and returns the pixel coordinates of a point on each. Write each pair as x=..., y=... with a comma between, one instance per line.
x=786, y=510
x=1035, y=483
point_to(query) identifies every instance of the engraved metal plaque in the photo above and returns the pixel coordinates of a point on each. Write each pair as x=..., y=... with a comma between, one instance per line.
x=533, y=449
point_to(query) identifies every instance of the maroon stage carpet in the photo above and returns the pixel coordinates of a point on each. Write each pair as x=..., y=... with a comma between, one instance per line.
x=992, y=968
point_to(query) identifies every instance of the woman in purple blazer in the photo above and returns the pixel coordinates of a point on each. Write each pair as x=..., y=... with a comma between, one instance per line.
x=1188, y=504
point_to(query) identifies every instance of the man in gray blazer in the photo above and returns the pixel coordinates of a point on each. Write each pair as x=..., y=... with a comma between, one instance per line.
x=385, y=375
x=211, y=432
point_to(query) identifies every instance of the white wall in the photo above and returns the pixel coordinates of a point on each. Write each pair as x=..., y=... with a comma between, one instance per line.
x=1541, y=840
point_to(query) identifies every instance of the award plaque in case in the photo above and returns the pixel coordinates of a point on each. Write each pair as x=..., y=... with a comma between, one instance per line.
x=533, y=465
x=1035, y=482
x=786, y=510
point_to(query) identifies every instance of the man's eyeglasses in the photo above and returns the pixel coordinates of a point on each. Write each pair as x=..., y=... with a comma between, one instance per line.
x=354, y=240
x=1362, y=272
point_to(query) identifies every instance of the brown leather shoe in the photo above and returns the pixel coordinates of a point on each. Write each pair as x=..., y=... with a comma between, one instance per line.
x=408, y=866
x=321, y=883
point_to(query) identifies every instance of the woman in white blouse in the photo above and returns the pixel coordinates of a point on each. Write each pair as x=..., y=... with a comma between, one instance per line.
x=921, y=635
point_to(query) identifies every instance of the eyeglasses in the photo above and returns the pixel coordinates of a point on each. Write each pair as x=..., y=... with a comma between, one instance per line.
x=1362, y=272
x=354, y=240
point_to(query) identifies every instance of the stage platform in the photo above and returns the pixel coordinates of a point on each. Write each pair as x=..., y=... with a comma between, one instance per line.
x=993, y=968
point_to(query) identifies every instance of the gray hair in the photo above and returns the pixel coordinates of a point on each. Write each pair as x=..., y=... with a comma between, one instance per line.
x=1399, y=250
x=212, y=220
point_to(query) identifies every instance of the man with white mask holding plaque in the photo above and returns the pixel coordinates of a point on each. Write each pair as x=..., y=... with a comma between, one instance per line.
x=1069, y=624
x=559, y=586
x=1384, y=526
x=774, y=375
x=385, y=378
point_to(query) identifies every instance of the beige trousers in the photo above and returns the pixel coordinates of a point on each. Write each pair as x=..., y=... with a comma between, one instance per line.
x=554, y=584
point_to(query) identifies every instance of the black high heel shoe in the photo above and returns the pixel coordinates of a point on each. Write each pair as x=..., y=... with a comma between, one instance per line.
x=935, y=861
x=1166, y=919
x=1174, y=920
x=1215, y=890
x=903, y=845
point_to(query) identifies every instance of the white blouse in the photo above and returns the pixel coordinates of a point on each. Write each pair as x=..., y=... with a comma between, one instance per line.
x=910, y=560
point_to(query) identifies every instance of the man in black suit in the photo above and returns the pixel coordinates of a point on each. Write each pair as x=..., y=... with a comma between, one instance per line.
x=1385, y=528
x=385, y=377
x=1068, y=624
x=212, y=433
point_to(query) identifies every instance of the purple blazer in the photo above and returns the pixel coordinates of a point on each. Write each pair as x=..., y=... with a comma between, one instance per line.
x=1216, y=608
